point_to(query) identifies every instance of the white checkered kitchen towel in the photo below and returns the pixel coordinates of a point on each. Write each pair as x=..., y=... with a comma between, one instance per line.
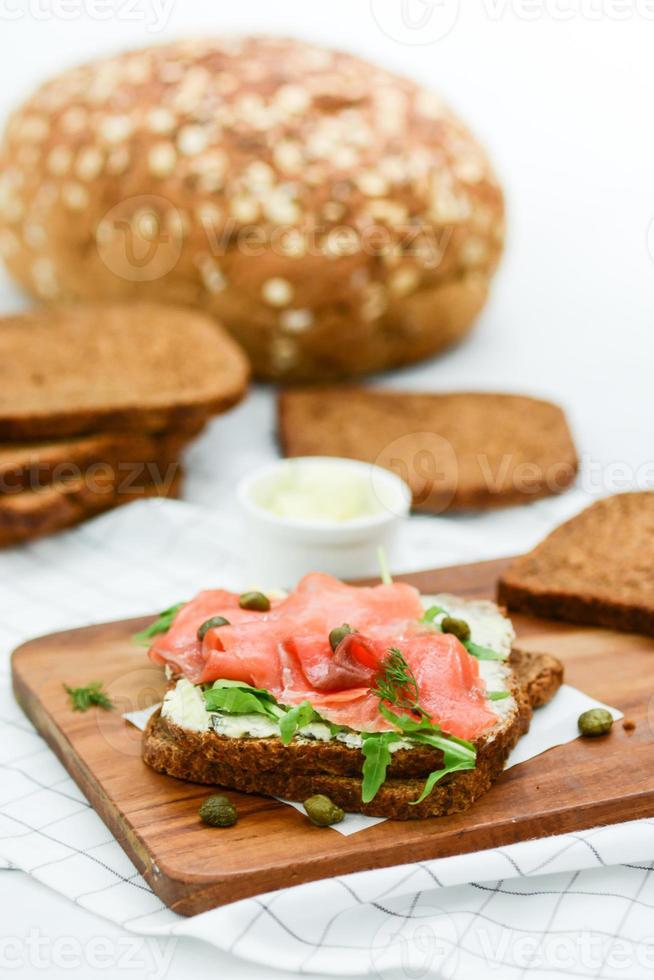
x=579, y=905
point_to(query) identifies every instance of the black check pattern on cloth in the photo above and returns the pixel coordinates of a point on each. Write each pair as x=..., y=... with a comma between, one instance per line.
x=552, y=908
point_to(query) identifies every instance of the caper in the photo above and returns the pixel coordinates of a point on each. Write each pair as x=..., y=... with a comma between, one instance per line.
x=338, y=634
x=217, y=811
x=256, y=601
x=210, y=624
x=322, y=812
x=594, y=722
x=458, y=627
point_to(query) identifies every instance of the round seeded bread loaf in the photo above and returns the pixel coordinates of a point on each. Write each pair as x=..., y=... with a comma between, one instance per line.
x=337, y=218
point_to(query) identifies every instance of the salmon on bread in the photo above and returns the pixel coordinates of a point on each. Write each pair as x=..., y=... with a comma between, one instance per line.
x=392, y=703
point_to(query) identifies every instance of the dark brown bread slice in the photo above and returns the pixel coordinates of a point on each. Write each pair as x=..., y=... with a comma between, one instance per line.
x=539, y=675
x=35, y=513
x=299, y=770
x=33, y=466
x=463, y=451
x=133, y=367
x=597, y=568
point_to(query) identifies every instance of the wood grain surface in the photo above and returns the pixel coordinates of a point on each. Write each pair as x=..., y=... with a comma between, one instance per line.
x=193, y=868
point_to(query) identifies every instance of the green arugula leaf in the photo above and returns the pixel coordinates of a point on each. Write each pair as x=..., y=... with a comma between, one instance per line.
x=239, y=701
x=450, y=766
x=299, y=716
x=377, y=759
x=448, y=744
x=428, y=733
x=161, y=625
x=398, y=687
x=239, y=698
x=82, y=698
x=498, y=695
x=458, y=754
x=242, y=686
x=482, y=653
x=405, y=723
x=430, y=614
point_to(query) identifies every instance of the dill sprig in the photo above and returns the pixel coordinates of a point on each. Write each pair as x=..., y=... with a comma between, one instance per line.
x=81, y=698
x=397, y=684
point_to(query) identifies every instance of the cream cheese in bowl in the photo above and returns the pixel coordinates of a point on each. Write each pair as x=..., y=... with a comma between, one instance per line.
x=317, y=490
x=320, y=511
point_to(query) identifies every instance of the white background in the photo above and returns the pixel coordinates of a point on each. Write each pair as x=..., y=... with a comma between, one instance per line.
x=562, y=93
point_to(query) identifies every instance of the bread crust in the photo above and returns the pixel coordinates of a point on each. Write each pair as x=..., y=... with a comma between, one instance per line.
x=337, y=218
x=114, y=367
x=595, y=569
x=34, y=466
x=297, y=771
x=33, y=514
x=484, y=449
x=539, y=675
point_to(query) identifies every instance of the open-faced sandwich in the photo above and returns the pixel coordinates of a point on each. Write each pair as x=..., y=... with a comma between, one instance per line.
x=390, y=702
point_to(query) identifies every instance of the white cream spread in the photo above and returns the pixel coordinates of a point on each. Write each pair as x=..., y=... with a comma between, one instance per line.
x=488, y=627
x=317, y=491
x=241, y=726
x=184, y=704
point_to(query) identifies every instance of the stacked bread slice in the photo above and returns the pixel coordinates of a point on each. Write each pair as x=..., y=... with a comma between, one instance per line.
x=97, y=403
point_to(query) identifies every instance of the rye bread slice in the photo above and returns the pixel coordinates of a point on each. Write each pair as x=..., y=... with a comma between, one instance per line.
x=597, y=568
x=35, y=513
x=134, y=367
x=298, y=770
x=33, y=466
x=462, y=451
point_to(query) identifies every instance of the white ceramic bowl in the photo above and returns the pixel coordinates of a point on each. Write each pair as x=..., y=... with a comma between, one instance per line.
x=281, y=549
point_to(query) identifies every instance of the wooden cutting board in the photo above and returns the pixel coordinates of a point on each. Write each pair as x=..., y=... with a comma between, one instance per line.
x=193, y=868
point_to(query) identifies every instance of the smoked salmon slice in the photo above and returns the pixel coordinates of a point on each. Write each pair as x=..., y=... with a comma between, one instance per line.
x=287, y=652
